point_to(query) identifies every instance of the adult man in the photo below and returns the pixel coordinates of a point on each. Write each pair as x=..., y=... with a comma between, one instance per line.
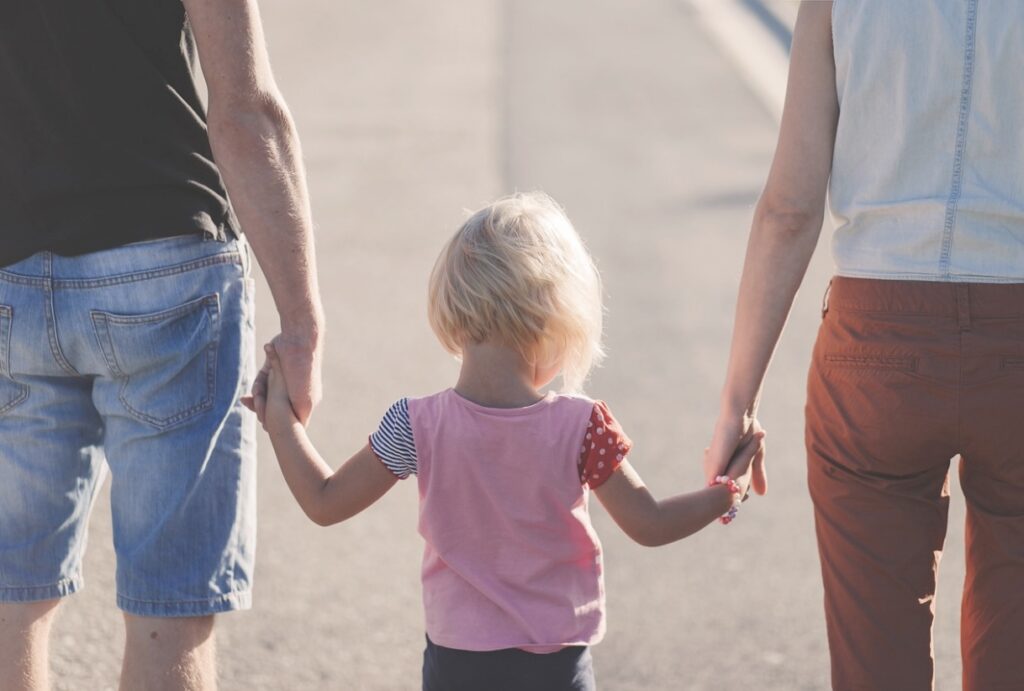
x=126, y=314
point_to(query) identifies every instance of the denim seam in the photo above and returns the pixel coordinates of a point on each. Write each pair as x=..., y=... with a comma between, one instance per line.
x=168, y=422
x=73, y=283
x=232, y=601
x=6, y=314
x=51, y=319
x=6, y=321
x=62, y=588
x=212, y=598
x=931, y=278
x=246, y=257
x=956, y=184
x=17, y=400
x=189, y=306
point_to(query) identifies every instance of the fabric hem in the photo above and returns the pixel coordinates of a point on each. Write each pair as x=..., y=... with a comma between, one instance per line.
x=230, y=602
x=37, y=593
x=380, y=459
x=525, y=645
x=930, y=278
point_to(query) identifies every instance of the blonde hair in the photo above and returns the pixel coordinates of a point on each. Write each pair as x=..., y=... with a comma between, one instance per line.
x=517, y=272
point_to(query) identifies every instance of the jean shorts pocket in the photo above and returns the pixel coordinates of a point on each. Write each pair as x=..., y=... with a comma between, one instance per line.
x=166, y=361
x=11, y=392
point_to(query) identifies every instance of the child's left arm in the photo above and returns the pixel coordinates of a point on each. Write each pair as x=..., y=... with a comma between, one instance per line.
x=326, y=496
x=652, y=522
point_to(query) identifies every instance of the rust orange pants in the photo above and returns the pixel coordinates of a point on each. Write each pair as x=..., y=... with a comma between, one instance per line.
x=905, y=376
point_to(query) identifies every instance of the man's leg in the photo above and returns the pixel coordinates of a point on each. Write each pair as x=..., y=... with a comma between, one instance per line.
x=49, y=475
x=169, y=654
x=24, y=645
x=174, y=352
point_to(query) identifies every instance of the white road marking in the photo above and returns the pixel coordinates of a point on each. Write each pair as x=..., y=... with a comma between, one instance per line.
x=761, y=59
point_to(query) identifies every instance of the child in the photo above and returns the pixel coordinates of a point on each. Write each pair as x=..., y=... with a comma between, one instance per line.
x=512, y=573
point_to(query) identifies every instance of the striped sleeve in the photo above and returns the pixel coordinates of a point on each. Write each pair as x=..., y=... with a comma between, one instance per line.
x=393, y=442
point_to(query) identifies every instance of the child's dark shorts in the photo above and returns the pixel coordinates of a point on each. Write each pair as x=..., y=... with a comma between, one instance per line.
x=447, y=669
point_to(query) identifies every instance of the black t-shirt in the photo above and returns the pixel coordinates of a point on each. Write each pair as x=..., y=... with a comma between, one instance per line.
x=103, y=137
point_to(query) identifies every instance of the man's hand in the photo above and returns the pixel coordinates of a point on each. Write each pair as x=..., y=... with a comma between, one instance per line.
x=300, y=364
x=278, y=412
x=732, y=435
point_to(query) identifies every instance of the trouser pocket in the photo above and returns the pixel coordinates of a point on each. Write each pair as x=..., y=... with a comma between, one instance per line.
x=11, y=392
x=166, y=361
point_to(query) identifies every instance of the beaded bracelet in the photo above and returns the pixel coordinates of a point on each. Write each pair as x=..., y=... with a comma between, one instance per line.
x=737, y=497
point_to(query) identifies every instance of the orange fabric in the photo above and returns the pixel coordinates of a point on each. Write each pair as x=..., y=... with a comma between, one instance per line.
x=906, y=375
x=604, y=448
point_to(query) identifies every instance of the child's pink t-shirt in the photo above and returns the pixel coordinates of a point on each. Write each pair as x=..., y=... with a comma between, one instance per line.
x=511, y=558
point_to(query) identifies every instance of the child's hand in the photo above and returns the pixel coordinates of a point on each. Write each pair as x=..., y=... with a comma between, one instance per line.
x=741, y=465
x=279, y=412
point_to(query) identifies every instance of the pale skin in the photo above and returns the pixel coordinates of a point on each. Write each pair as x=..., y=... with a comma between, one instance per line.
x=498, y=376
x=784, y=233
x=257, y=150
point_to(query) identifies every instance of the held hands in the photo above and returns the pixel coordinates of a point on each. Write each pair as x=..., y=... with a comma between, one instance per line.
x=278, y=410
x=736, y=441
x=742, y=465
x=299, y=360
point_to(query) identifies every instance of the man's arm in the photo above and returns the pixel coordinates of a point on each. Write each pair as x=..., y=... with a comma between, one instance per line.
x=257, y=150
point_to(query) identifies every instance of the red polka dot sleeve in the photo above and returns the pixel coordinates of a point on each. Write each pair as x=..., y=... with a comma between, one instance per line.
x=604, y=447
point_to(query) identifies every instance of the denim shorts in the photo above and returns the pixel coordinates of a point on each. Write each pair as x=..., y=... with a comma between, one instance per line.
x=130, y=359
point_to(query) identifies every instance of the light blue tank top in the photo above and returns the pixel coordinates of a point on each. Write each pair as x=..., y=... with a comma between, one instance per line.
x=928, y=171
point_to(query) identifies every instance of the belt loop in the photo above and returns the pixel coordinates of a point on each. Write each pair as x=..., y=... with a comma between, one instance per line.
x=963, y=306
x=824, y=299
x=246, y=251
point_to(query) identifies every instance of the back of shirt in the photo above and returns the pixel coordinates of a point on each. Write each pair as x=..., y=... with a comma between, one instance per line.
x=511, y=558
x=102, y=130
x=928, y=175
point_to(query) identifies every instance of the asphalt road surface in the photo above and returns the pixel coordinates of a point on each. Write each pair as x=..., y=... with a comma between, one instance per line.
x=412, y=112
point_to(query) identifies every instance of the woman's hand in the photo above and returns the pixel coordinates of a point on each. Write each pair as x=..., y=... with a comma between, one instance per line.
x=738, y=450
x=748, y=461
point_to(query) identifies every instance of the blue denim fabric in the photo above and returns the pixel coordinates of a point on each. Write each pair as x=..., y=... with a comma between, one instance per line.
x=135, y=356
x=927, y=174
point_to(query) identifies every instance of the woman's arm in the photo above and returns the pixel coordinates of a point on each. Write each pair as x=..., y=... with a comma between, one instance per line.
x=786, y=226
x=652, y=522
x=326, y=496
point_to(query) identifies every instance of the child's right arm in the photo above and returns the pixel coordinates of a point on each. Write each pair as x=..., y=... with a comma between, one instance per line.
x=651, y=522
x=326, y=496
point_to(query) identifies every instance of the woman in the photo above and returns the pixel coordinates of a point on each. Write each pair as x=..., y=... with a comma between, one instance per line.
x=910, y=116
